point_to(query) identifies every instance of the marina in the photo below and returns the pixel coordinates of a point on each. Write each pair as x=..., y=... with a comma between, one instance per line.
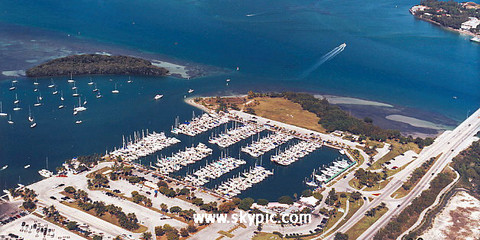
x=142, y=145
x=213, y=170
x=181, y=159
x=259, y=147
x=235, y=135
x=200, y=124
x=236, y=185
x=295, y=152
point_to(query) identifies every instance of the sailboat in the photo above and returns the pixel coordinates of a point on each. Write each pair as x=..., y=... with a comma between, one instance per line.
x=76, y=93
x=78, y=121
x=51, y=85
x=85, y=101
x=91, y=82
x=99, y=95
x=38, y=103
x=2, y=114
x=26, y=166
x=190, y=90
x=95, y=89
x=10, y=119
x=80, y=108
x=36, y=82
x=14, y=81
x=16, y=101
x=158, y=96
x=30, y=118
x=115, y=91
x=44, y=172
x=55, y=92
x=17, y=108
x=61, y=104
x=35, y=89
x=34, y=124
x=74, y=87
x=40, y=96
x=12, y=87
x=4, y=167
x=71, y=78
x=129, y=80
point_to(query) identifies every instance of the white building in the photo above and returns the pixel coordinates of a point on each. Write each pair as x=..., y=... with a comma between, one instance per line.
x=473, y=22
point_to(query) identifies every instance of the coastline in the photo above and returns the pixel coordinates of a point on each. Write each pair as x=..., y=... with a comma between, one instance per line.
x=459, y=31
x=412, y=122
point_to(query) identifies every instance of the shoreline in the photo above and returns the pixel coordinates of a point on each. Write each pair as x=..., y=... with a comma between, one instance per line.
x=381, y=113
x=459, y=31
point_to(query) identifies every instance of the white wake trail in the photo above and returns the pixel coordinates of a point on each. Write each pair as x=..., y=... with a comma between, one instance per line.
x=323, y=59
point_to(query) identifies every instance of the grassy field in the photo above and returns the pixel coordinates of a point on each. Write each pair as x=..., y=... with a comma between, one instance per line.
x=266, y=236
x=352, y=209
x=283, y=110
x=362, y=225
x=338, y=216
x=397, y=149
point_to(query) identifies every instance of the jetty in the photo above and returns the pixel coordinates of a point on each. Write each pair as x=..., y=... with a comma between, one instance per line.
x=295, y=152
x=181, y=159
x=259, y=147
x=200, y=124
x=214, y=170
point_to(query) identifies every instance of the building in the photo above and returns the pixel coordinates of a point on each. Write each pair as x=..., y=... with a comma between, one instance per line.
x=472, y=23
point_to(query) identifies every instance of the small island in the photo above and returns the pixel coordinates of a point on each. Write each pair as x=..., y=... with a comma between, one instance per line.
x=460, y=17
x=96, y=64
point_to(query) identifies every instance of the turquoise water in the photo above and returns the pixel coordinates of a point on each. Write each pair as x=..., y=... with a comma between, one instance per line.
x=390, y=57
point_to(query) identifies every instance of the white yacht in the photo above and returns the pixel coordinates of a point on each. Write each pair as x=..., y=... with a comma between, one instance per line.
x=12, y=87
x=78, y=121
x=51, y=85
x=35, y=89
x=190, y=90
x=33, y=125
x=91, y=82
x=2, y=114
x=80, y=108
x=26, y=166
x=30, y=118
x=71, y=78
x=45, y=173
x=17, y=108
x=16, y=101
x=115, y=91
x=4, y=167
x=158, y=96
x=38, y=103
x=75, y=94
x=35, y=83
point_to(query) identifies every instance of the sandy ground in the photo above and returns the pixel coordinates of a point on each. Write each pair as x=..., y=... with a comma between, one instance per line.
x=459, y=220
x=174, y=69
x=352, y=101
x=415, y=122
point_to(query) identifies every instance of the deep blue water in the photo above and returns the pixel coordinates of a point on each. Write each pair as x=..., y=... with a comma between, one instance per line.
x=390, y=57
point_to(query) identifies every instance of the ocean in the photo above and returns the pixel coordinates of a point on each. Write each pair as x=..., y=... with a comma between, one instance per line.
x=389, y=57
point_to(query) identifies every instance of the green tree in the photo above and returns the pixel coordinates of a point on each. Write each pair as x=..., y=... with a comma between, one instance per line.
x=246, y=203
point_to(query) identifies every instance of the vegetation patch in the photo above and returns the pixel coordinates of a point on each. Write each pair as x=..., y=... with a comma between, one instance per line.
x=364, y=223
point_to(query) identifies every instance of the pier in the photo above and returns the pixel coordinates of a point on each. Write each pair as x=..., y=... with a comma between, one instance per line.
x=200, y=124
x=266, y=144
x=234, y=186
x=181, y=159
x=214, y=170
x=142, y=145
x=235, y=135
x=295, y=152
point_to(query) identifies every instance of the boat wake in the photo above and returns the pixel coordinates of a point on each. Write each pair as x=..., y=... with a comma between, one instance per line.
x=323, y=59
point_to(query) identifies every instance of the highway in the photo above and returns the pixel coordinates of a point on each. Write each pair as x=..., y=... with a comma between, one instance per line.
x=449, y=144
